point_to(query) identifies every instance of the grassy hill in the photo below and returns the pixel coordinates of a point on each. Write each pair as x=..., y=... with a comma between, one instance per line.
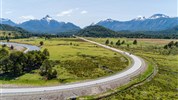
x=4, y=27
x=12, y=32
x=96, y=31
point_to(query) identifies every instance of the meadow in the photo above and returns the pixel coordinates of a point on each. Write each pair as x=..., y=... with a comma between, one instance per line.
x=79, y=61
x=165, y=84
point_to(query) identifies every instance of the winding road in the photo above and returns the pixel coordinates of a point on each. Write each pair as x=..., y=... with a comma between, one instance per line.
x=138, y=66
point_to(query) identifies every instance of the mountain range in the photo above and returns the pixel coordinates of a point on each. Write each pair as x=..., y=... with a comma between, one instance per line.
x=44, y=25
x=7, y=22
x=156, y=22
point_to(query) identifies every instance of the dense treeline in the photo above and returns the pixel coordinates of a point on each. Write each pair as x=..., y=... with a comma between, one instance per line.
x=92, y=31
x=98, y=31
x=17, y=63
x=153, y=35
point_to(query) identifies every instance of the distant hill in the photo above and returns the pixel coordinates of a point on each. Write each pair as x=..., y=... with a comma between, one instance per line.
x=7, y=31
x=7, y=22
x=174, y=29
x=156, y=22
x=4, y=27
x=96, y=31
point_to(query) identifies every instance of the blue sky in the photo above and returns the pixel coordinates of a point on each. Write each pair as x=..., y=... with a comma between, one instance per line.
x=85, y=12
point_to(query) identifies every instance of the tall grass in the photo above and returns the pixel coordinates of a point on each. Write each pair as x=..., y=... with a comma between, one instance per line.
x=164, y=85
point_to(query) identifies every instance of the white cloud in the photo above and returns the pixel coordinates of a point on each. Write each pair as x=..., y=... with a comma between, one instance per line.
x=27, y=17
x=84, y=12
x=67, y=12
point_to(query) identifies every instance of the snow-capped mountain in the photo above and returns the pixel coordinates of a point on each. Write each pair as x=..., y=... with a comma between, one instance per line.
x=48, y=25
x=44, y=25
x=140, y=18
x=7, y=21
x=109, y=20
x=156, y=22
x=156, y=16
x=47, y=18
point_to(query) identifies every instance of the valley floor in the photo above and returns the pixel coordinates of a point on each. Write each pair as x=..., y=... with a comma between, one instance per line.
x=165, y=84
x=79, y=60
x=74, y=53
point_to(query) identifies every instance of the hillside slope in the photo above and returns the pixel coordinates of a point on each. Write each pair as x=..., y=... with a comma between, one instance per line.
x=96, y=31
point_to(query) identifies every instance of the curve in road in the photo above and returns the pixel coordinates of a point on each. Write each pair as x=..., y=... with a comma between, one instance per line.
x=137, y=64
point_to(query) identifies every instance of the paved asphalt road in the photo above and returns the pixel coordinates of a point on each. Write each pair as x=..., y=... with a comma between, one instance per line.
x=137, y=64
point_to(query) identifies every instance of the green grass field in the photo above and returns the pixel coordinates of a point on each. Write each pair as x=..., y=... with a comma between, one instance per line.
x=79, y=60
x=165, y=84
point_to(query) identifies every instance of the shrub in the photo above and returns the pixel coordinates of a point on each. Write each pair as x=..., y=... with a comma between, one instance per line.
x=107, y=42
x=111, y=43
x=135, y=42
x=4, y=45
x=41, y=43
x=12, y=47
x=47, y=71
x=118, y=43
x=46, y=52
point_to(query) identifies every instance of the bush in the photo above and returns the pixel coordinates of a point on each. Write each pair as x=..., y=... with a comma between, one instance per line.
x=47, y=71
x=123, y=42
x=46, y=52
x=118, y=43
x=41, y=43
x=107, y=42
x=111, y=43
x=12, y=47
x=4, y=45
x=135, y=42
